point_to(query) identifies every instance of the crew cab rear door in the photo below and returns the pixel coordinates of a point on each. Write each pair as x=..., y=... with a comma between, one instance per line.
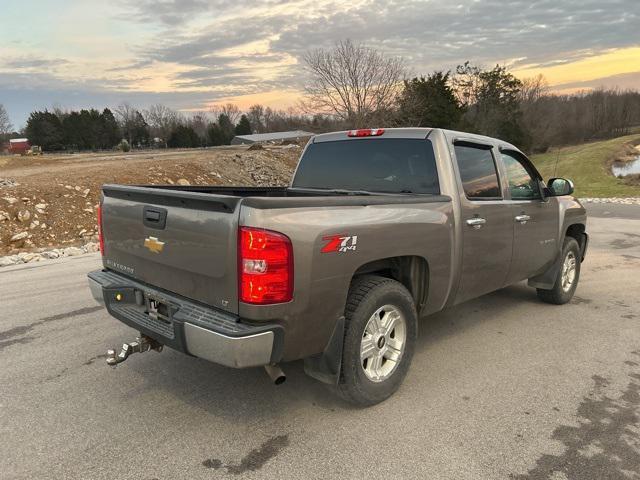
x=535, y=220
x=487, y=221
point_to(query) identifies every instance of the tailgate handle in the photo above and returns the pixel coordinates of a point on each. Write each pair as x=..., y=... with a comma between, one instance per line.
x=154, y=217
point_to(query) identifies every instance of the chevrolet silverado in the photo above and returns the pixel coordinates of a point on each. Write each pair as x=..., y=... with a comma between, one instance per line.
x=378, y=228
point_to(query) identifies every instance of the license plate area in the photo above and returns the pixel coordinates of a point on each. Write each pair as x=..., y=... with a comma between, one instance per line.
x=158, y=309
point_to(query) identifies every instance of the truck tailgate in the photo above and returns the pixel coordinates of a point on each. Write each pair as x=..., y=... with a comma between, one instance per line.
x=178, y=240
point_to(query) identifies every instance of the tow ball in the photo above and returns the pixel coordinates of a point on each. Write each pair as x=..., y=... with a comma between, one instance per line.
x=141, y=344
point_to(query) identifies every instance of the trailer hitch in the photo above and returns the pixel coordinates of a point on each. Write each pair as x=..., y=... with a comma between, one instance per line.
x=141, y=344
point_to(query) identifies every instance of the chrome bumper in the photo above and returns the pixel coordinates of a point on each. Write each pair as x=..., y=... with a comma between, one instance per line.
x=238, y=352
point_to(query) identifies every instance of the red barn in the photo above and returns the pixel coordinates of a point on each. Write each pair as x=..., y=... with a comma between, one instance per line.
x=19, y=145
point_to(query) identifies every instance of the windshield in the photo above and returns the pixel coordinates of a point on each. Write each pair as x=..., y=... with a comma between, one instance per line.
x=390, y=165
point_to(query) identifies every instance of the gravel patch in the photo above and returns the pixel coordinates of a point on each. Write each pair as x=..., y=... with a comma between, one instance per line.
x=618, y=200
x=32, y=257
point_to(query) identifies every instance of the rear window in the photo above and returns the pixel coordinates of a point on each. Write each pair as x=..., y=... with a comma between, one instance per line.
x=390, y=165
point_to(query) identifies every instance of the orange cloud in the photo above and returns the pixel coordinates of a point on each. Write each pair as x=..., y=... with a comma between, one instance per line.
x=280, y=99
x=612, y=62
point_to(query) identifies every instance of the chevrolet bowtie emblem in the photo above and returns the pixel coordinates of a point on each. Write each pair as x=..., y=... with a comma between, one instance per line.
x=153, y=244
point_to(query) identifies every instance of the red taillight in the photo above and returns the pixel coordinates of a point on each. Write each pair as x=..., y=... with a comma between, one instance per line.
x=100, y=236
x=366, y=132
x=265, y=266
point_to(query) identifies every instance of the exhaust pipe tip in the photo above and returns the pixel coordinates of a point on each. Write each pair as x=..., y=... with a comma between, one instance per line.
x=276, y=374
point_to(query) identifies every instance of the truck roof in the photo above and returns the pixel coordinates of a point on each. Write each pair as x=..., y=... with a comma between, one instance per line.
x=418, y=132
x=388, y=133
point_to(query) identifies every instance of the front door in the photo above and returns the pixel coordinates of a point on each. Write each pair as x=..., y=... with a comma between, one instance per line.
x=487, y=223
x=535, y=220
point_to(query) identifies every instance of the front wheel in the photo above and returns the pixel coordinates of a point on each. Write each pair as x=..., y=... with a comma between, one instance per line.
x=568, y=275
x=381, y=329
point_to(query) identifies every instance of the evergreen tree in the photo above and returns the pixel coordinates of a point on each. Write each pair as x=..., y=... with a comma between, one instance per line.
x=430, y=102
x=215, y=136
x=226, y=127
x=72, y=128
x=183, y=137
x=45, y=129
x=492, y=102
x=109, y=132
x=244, y=126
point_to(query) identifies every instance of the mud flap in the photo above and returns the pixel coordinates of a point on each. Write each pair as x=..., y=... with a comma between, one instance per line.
x=326, y=366
x=547, y=280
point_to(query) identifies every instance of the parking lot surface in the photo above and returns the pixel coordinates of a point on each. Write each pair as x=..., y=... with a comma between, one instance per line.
x=501, y=387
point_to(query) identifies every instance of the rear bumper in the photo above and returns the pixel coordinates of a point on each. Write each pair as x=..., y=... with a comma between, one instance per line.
x=189, y=327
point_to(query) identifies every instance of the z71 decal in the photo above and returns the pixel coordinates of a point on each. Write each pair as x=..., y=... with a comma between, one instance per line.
x=339, y=243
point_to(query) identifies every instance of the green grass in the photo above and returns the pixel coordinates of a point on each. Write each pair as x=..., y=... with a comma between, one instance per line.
x=588, y=166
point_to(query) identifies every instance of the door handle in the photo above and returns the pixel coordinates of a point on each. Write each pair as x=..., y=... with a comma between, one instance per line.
x=476, y=222
x=154, y=217
x=522, y=218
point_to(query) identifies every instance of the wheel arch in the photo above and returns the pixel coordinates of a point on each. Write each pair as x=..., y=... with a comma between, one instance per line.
x=578, y=231
x=412, y=271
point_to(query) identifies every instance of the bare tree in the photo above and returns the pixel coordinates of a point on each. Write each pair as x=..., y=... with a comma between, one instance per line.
x=230, y=110
x=162, y=121
x=5, y=123
x=59, y=111
x=199, y=122
x=126, y=115
x=134, y=126
x=533, y=88
x=256, y=118
x=353, y=82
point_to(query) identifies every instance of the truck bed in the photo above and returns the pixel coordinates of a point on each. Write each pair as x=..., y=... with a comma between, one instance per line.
x=184, y=238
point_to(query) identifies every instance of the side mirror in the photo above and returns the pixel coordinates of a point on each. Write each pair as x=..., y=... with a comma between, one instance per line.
x=560, y=186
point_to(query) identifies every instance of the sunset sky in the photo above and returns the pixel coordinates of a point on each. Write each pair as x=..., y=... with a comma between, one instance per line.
x=191, y=54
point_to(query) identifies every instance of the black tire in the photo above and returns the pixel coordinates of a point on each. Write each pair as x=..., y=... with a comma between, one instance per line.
x=366, y=295
x=558, y=295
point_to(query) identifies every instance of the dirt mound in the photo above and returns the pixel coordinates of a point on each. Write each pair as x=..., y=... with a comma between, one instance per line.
x=51, y=202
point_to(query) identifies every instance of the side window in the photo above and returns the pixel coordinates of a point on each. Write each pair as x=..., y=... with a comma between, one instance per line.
x=477, y=171
x=523, y=184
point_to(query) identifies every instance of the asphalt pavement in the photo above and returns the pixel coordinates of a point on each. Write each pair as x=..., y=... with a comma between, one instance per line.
x=501, y=387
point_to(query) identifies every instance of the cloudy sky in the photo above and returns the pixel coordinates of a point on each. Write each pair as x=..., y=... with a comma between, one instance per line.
x=191, y=54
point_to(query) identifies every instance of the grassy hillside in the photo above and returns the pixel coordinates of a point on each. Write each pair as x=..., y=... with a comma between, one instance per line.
x=588, y=165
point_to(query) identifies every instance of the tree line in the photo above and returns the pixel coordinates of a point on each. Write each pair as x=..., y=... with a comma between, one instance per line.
x=363, y=87
x=353, y=86
x=127, y=127
x=159, y=126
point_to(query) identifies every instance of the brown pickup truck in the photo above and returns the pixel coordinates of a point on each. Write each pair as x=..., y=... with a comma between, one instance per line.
x=378, y=229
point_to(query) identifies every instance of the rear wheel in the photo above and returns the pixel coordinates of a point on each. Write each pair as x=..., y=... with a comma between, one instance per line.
x=381, y=328
x=568, y=275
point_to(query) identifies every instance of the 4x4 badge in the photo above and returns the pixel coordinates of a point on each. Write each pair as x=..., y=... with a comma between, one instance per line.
x=153, y=244
x=340, y=243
